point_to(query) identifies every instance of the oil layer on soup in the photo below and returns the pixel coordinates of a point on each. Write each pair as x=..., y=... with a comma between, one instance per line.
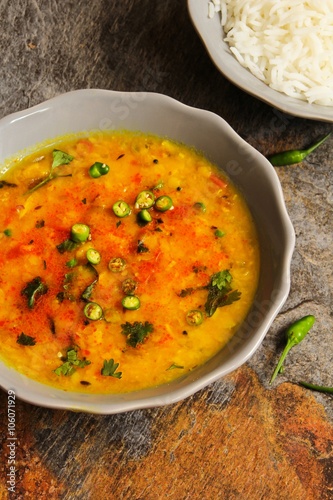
x=127, y=260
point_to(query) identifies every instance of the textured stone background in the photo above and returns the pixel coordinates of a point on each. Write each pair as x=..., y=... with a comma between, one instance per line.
x=238, y=438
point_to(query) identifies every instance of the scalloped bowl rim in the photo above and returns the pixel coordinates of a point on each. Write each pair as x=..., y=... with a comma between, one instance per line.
x=179, y=122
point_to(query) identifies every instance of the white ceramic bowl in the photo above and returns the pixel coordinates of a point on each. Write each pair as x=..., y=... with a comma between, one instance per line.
x=250, y=171
x=211, y=33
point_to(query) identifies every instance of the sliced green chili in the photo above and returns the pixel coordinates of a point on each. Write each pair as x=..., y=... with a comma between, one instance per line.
x=194, y=317
x=98, y=169
x=129, y=286
x=121, y=208
x=200, y=207
x=93, y=256
x=163, y=203
x=145, y=216
x=218, y=233
x=117, y=264
x=295, y=333
x=80, y=233
x=93, y=311
x=145, y=199
x=131, y=302
x=294, y=156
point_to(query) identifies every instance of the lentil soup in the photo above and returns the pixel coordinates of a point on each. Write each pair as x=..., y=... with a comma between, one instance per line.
x=127, y=260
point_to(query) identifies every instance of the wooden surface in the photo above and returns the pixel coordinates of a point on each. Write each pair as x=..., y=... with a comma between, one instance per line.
x=238, y=439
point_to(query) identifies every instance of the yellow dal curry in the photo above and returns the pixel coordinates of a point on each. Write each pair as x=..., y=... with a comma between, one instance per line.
x=157, y=274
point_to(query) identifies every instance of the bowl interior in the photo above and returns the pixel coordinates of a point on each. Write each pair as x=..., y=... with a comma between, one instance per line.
x=106, y=110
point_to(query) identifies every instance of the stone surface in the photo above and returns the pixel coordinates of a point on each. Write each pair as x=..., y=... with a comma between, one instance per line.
x=239, y=439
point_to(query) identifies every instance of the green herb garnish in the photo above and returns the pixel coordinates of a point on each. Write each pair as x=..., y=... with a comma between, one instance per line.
x=141, y=247
x=109, y=369
x=220, y=292
x=59, y=158
x=174, y=367
x=33, y=290
x=6, y=184
x=79, y=283
x=71, y=362
x=67, y=246
x=86, y=294
x=72, y=263
x=136, y=332
x=24, y=339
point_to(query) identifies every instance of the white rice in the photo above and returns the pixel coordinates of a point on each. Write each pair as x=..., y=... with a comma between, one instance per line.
x=288, y=44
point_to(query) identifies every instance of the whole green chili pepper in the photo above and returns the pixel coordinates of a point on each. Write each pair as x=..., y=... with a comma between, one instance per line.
x=295, y=333
x=294, y=156
x=320, y=388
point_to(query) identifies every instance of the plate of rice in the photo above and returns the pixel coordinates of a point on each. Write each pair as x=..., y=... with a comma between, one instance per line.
x=279, y=52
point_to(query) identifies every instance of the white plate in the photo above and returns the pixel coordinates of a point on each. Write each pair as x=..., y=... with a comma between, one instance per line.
x=211, y=33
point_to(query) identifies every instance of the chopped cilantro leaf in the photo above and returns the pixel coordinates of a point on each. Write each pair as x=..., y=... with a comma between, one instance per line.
x=109, y=369
x=221, y=280
x=66, y=369
x=71, y=263
x=60, y=158
x=71, y=362
x=220, y=292
x=67, y=246
x=136, y=332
